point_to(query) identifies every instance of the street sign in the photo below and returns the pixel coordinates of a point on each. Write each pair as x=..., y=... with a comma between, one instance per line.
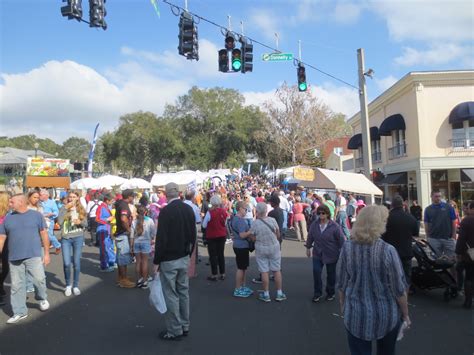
x=277, y=57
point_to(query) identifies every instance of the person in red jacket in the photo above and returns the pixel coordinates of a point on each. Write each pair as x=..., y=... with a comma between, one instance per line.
x=216, y=233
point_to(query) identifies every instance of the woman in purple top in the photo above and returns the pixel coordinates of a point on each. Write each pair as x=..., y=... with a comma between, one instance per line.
x=326, y=239
x=371, y=285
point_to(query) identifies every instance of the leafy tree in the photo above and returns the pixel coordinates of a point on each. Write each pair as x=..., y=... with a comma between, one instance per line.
x=75, y=149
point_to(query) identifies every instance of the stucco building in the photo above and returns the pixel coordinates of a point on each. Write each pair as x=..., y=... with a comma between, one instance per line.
x=422, y=136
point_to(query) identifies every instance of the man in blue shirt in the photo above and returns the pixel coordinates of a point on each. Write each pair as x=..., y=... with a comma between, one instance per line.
x=440, y=226
x=25, y=230
x=50, y=212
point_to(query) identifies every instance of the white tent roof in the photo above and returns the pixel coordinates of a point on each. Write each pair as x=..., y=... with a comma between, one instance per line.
x=136, y=183
x=180, y=178
x=85, y=184
x=111, y=180
x=351, y=182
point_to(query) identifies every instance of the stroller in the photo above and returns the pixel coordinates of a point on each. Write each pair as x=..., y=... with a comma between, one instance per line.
x=431, y=272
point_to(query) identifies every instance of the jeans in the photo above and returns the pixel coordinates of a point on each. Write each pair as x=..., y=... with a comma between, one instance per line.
x=52, y=238
x=175, y=283
x=341, y=219
x=285, y=220
x=330, y=277
x=107, y=252
x=215, y=248
x=18, y=271
x=385, y=345
x=72, y=250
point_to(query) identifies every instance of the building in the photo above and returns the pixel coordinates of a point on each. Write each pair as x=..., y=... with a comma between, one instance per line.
x=13, y=160
x=422, y=136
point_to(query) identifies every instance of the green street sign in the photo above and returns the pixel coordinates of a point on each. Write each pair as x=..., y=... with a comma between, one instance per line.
x=277, y=57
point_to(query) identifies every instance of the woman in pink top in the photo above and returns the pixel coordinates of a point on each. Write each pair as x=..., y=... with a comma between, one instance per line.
x=299, y=221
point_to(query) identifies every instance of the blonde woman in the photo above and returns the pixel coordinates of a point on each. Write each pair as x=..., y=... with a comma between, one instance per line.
x=372, y=286
x=73, y=221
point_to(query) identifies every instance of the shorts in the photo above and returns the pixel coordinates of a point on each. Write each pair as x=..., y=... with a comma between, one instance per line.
x=124, y=257
x=443, y=246
x=142, y=247
x=242, y=258
x=268, y=261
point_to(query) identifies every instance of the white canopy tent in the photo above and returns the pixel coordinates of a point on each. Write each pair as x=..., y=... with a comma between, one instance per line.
x=108, y=181
x=85, y=184
x=136, y=183
x=350, y=182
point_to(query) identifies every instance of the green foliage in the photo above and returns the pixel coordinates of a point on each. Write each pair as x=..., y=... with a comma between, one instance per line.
x=75, y=149
x=27, y=142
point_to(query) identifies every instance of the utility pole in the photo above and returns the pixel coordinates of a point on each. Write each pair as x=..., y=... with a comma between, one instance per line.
x=364, y=118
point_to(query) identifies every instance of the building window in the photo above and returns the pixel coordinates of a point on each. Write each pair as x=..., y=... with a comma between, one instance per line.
x=459, y=135
x=471, y=133
x=376, y=151
x=399, y=148
x=338, y=151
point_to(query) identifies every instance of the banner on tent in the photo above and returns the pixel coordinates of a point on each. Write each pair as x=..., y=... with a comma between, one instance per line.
x=305, y=174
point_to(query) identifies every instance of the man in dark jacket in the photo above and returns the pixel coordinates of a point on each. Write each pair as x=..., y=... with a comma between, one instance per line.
x=401, y=228
x=175, y=241
x=464, y=242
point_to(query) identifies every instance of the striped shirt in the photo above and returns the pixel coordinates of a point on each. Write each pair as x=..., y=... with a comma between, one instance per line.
x=371, y=278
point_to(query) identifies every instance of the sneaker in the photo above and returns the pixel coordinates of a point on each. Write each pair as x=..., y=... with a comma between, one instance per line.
x=263, y=297
x=76, y=291
x=240, y=292
x=143, y=285
x=280, y=297
x=44, y=305
x=149, y=279
x=257, y=280
x=68, y=291
x=126, y=284
x=168, y=336
x=229, y=241
x=16, y=318
x=109, y=269
x=247, y=290
x=316, y=299
x=330, y=298
x=30, y=290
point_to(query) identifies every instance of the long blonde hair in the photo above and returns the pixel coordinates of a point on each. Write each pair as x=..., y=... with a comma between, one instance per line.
x=4, y=203
x=370, y=224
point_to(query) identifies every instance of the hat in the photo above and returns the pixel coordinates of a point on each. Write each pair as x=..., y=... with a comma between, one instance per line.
x=360, y=203
x=127, y=193
x=171, y=188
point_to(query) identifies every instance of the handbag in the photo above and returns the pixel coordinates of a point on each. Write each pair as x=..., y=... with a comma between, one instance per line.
x=157, y=300
x=470, y=252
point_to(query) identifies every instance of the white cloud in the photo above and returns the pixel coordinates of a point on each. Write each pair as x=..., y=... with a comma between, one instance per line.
x=427, y=20
x=437, y=54
x=267, y=23
x=384, y=83
x=63, y=99
x=347, y=13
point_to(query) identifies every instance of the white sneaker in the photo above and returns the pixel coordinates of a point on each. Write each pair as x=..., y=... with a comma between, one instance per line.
x=16, y=318
x=44, y=305
x=68, y=291
x=76, y=291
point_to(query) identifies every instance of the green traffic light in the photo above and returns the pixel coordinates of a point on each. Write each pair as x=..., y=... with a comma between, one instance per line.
x=302, y=86
x=236, y=64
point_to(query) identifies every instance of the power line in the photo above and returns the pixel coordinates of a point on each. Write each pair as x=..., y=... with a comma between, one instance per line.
x=224, y=29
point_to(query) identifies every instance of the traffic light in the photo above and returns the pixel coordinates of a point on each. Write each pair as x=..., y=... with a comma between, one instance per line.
x=301, y=72
x=188, y=37
x=229, y=41
x=247, y=55
x=236, y=59
x=73, y=9
x=97, y=14
x=223, y=60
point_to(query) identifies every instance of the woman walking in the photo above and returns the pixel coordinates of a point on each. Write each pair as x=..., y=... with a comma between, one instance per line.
x=4, y=209
x=372, y=286
x=299, y=219
x=73, y=221
x=216, y=232
x=326, y=240
x=143, y=232
x=104, y=218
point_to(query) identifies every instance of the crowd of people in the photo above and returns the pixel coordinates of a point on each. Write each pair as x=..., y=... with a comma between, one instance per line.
x=366, y=250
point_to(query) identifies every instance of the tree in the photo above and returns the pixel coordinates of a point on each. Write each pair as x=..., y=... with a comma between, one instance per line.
x=298, y=123
x=27, y=142
x=75, y=149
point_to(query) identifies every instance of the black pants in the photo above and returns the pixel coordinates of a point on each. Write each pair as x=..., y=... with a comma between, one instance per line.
x=215, y=248
x=93, y=230
x=406, y=264
x=5, y=268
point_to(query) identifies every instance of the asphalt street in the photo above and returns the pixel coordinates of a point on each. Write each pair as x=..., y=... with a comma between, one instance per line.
x=108, y=320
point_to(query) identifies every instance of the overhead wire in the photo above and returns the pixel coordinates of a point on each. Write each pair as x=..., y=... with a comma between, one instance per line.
x=223, y=28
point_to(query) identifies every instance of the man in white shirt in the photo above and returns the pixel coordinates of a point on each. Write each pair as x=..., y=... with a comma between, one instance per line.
x=340, y=213
x=285, y=206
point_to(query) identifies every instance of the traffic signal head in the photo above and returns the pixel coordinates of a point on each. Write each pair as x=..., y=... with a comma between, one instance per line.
x=97, y=14
x=229, y=41
x=73, y=9
x=223, y=60
x=236, y=59
x=301, y=73
x=188, y=37
x=247, y=56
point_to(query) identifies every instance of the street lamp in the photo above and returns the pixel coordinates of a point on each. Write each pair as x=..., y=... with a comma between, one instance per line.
x=36, y=149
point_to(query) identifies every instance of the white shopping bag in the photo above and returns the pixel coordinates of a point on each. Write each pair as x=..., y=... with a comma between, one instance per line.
x=157, y=299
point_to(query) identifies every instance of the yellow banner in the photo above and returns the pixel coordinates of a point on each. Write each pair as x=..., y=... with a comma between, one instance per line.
x=305, y=174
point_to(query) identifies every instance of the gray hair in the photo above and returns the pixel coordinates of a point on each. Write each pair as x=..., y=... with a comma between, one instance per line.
x=44, y=191
x=216, y=201
x=261, y=209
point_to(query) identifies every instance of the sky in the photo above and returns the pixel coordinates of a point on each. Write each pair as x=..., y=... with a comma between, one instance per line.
x=59, y=77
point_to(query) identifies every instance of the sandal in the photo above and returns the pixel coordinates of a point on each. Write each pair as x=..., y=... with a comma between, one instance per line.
x=212, y=278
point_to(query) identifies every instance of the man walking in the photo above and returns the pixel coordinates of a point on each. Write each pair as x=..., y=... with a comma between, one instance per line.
x=50, y=212
x=401, y=228
x=175, y=241
x=25, y=230
x=340, y=213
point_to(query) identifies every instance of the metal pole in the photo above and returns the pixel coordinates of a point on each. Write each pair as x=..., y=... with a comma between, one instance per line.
x=229, y=24
x=299, y=50
x=364, y=118
x=242, y=28
x=186, y=5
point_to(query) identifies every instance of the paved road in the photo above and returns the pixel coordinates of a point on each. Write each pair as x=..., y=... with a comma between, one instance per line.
x=109, y=320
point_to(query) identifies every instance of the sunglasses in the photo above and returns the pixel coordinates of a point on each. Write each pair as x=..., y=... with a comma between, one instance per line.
x=321, y=213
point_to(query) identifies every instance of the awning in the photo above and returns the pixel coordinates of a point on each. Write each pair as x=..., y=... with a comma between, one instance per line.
x=392, y=123
x=462, y=112
x=355, y=142
x=374, y=134
x=350, y=182
x=395, y=179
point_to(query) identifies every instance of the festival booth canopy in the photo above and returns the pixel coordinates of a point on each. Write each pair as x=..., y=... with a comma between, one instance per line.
x=85, y=184
x=108, y=181
x=180, y=178
x=136, y=183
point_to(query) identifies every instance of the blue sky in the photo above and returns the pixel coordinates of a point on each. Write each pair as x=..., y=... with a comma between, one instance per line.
x=63, y=76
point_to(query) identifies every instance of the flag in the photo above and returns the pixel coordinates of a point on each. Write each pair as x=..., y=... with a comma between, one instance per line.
x=91, y=153
x=155, y=5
